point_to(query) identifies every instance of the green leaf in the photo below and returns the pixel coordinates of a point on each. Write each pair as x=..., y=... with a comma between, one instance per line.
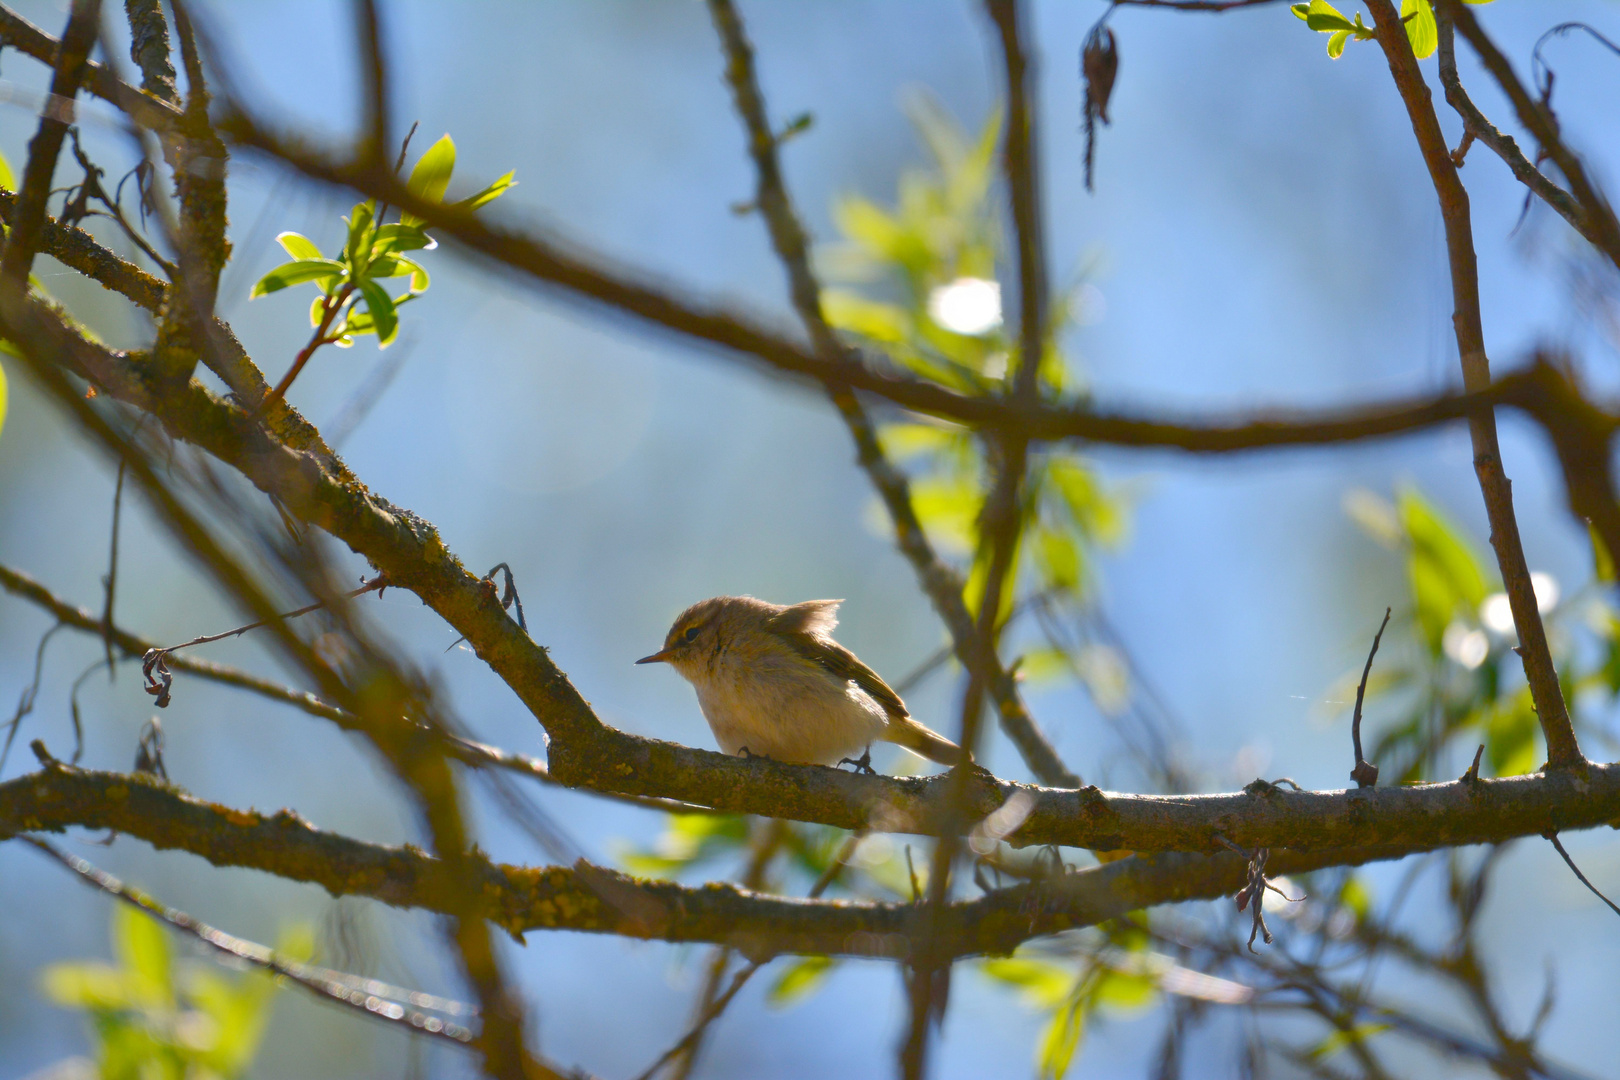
x=908, y=440
x=883, y=323
x=1510, y=736
x=298, y=246
x=1060, y=1040
x=395, y=237
x=1418, y=15
x=801, y=978
x=143, y=948
x=1041, y=983
x=1125, y=991
x=419, y=277
x=1058, y=555
x=86, y=986
x=2, y=398
x=1341, y=1039
x=7, y=179
x=360, y=238
x=948, y=508
x=1335, y=46
x=381, y=308
x=1446, y=575
x=317, y=310
x=431, y=177
x=1356, y=897
x=489, y=194
x=297, y=272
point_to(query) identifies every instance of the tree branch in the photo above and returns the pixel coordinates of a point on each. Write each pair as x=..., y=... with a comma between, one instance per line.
x=594, y=900
x=1562, y=748
x=1603, y=229
x=1499, y=143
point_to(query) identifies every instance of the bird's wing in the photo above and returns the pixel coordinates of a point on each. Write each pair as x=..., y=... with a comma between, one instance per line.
x=813, y=617
x=843, y=663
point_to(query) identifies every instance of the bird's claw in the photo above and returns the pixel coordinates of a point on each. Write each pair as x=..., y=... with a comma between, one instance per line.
x=863, y=764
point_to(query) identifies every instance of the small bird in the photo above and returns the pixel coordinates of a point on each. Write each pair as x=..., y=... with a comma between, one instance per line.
x=773, y=683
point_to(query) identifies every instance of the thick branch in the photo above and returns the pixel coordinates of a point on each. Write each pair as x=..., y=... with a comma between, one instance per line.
x=594, y=900
x=1551, y=710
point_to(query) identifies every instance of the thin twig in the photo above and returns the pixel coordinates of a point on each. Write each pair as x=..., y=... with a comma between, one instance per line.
x=110, y=582
x=1553, y=836
x=1604, y=229
x=1365, y=773
x=1477, y=126
x=154, y=665
x=365, y=996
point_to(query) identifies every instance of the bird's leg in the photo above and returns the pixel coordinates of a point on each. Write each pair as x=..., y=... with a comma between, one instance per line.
x=863, y=764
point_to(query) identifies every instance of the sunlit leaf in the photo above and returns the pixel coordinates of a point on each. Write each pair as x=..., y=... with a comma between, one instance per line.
x=948, y=507
x=86, y=986
x=381, y=307
x=1418, y=15
x=298, y=246
x=1446, y=575
x=907, y=440
x=431, y=177
x=1356, y=897
x=885, y=324
x=296, y=273
x=360, y=233
x=1055, y=1052
x=2, y=398
x=395, y=237
x=1510, y=736
x=488, y=195
x=1338, y=1040
x=7, y=179
x=142, y=947
x=1041, y=983
x=802, y=977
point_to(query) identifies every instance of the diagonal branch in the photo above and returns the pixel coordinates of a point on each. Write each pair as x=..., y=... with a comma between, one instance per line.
x=1562, y=748
x=1603, y=228
x=942, y=584
x=1499, y=143
x=83, y=27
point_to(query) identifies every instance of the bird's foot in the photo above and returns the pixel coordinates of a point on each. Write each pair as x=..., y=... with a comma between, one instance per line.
x=863, y=764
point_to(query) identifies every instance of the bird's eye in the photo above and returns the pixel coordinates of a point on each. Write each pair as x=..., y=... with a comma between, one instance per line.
x=690, y=635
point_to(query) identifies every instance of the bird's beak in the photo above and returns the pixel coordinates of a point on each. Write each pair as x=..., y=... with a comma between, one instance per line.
x=662, y=657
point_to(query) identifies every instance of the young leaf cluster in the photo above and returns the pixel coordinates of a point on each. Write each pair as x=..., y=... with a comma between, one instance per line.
x=928, y=298
x=1416, y=15
x=353, y=299
x=151, y=1018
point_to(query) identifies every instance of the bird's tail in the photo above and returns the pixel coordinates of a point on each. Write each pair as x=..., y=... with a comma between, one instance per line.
x=914, y=736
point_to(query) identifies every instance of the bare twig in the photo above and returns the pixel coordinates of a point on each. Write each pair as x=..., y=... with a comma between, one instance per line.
x=1603, y=228
x=110, y=582
x=1558, y=845
x=1365, y=774
x=1476, y=126
x=365, y=996
x=154, y=664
